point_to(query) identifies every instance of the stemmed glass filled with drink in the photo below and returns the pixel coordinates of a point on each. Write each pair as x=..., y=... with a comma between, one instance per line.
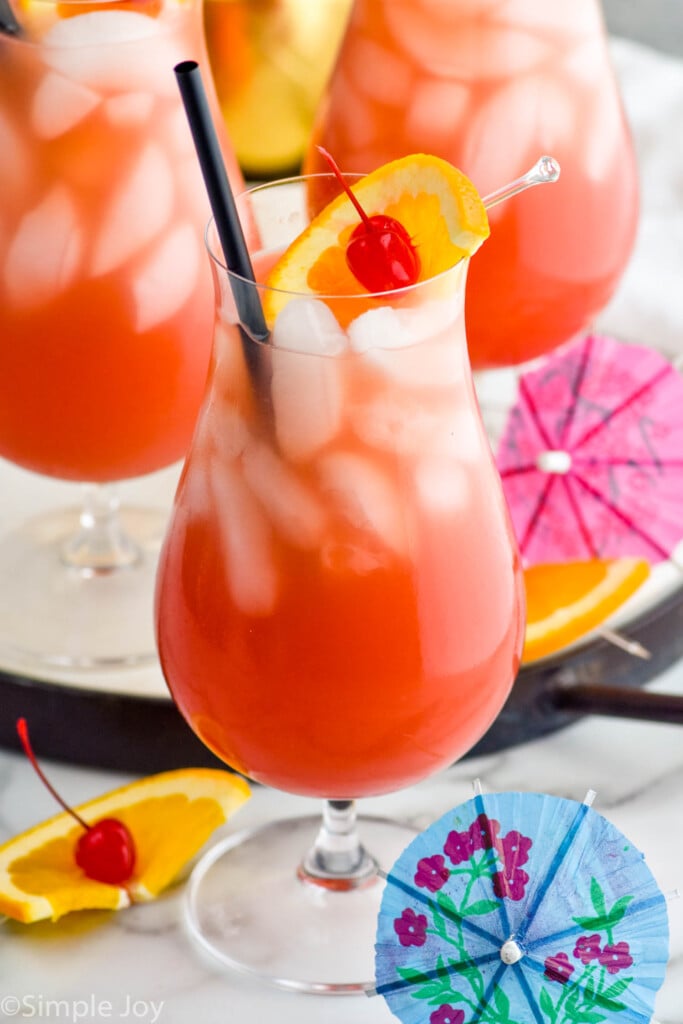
x=105, y=310
x=488, y=85
x=339, y=600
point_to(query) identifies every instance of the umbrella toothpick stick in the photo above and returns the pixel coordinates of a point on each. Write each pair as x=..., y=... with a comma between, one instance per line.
x=632, y=647
x=544, y=171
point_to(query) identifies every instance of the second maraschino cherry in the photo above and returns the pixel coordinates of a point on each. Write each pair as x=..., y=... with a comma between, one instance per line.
x=106, y=851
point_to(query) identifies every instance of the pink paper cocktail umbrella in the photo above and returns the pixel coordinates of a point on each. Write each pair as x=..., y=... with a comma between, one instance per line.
x=592, y=455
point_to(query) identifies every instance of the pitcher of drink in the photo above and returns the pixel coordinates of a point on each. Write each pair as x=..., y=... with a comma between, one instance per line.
x=488, y=84
x=105, y=307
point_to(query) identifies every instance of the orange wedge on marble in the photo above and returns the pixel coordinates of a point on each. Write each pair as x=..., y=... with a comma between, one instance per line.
x=170, y=817
x=437, y=205
x=566, y=601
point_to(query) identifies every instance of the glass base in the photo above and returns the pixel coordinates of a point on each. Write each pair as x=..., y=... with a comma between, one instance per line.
x=58, y=608
x=251, y=910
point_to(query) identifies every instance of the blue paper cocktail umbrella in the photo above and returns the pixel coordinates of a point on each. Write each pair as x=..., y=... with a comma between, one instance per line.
x=521, y=908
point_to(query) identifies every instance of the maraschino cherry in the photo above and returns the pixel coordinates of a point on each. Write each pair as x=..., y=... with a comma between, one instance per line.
x=106, y=851
x=379, y=253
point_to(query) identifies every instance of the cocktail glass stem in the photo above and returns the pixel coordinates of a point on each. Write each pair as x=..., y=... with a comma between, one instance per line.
x=101, y=544
x=338, y=860
x=79, y=585
x=246, y=900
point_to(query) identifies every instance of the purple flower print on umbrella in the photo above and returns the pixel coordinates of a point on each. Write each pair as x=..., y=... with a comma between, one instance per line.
x=411, y=928
x=432, y=873
x=515, y=850
x=510, y=886
x=483, y=832
x=459, y=847
x=558, y=968
x=521, y=908
x=587, y=948
x=511, y=882
x=616, y=958
x=447, y=1015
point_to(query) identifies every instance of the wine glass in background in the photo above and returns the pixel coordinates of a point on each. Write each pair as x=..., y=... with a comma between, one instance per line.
x=105, y=311
x=487, y=85
x=339, y=600
x=270, y=61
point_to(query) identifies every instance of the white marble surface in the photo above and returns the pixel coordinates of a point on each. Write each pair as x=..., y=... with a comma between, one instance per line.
x=139, y=964
x=143, y=956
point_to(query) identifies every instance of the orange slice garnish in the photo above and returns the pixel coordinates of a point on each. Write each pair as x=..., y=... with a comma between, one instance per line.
x=170, y=816
x=36, y=16
x=437, y=205
x=566, y=601
x=152, y=8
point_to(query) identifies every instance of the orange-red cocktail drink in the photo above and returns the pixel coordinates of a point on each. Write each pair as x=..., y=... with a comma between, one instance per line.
x=339, y=598
x=489, y=86
x=105, y=299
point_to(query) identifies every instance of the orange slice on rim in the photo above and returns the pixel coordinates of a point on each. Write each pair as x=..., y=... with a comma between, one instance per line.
x=152, y=8
x=566, y=601
x=170, y=816
x=437, y=205
x=37, y=17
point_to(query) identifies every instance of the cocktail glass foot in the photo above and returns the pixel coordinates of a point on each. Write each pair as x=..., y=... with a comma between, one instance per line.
x=306, y=929
x=77, y=586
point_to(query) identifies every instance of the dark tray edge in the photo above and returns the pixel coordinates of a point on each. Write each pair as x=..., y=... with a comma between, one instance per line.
x=141, y=735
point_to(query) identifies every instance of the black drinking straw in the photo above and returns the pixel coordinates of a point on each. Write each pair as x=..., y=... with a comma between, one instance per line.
x=8, y=22
x=224, y=210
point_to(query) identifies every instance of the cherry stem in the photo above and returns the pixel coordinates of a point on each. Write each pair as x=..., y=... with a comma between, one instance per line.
x=338, y=174
x=22, y=729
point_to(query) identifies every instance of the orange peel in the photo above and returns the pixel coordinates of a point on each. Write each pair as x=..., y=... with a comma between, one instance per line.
x=565, y=601
x=170, y=816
